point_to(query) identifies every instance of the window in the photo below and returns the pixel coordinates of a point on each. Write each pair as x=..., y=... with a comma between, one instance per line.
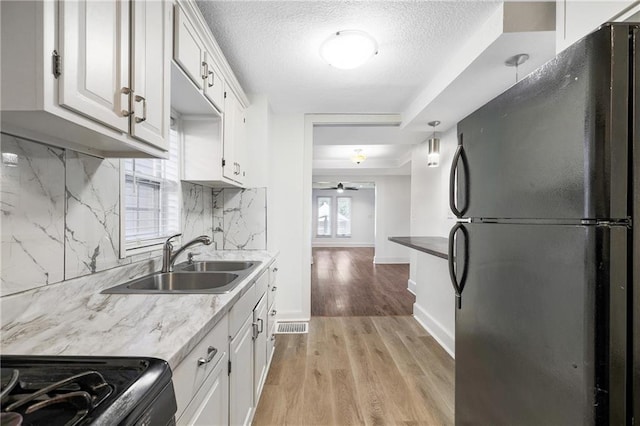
x=324, y=217
x=151, y=201
x=343, y=217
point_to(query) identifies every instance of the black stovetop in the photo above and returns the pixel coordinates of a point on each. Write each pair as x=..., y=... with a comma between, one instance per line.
x=62, y=390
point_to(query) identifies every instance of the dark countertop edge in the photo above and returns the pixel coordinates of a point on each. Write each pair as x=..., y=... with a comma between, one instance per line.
x=436, y=246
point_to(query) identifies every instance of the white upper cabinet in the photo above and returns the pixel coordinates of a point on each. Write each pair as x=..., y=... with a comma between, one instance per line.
x=100, y=87
x=95, y=46
x=188, y=49
x=576, y=19
x=234, y=146
x=150, y=72
x=195, y=59
x=213, y=83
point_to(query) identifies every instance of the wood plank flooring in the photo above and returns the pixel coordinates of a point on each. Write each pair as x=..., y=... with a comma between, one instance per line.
x=345, y=282
x=358, y=371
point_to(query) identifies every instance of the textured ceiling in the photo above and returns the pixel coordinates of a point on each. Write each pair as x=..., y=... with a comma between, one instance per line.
x=273, y=48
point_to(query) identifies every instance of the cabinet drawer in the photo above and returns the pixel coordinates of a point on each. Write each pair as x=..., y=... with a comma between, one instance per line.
x=273, y=273
x=210, y=405
x=240, y=310
x=271, y=295
x=261, y=285
x=189, y=375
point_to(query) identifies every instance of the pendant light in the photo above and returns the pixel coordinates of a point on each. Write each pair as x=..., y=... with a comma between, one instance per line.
x=515, y=61
x=358, y=157
x=433, y=156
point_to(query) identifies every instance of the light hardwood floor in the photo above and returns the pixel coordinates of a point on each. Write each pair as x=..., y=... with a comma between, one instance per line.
x=358, y=370
x=345, y=282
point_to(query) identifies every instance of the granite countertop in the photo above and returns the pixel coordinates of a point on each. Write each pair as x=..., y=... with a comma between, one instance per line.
x=437, y=246
x=73, y=318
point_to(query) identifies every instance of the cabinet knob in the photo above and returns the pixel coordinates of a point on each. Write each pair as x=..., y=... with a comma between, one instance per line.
x=274, y=288
x=211, y=353
x=273, y=313
x=275, y=269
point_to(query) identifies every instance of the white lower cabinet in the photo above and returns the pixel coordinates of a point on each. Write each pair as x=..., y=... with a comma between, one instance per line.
x=210, y=406
x=221, y=379
x=241, y=375
x=259, y=347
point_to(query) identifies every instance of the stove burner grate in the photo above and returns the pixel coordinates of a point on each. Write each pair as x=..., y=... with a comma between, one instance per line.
x=73, y=397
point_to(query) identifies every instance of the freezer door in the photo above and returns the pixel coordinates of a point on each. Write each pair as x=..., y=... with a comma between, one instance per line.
x=555, y=145
x=535, y=344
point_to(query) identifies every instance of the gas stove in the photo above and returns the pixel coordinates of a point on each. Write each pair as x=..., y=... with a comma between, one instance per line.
x=64, y=390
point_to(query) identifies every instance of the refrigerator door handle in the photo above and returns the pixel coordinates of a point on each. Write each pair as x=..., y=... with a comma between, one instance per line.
x=458, y=285
x=452, y=179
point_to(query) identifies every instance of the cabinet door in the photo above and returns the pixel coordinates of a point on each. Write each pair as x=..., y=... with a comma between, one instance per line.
x=94, y=46
x=241, y=377
x=151, y=71
x=213, y=84
x=230, y=169
x=259, y=347
x=211, y=405
x=188, y=49
x=240, y=143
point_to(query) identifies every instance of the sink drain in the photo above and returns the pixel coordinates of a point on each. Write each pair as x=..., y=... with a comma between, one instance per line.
x=292, y=328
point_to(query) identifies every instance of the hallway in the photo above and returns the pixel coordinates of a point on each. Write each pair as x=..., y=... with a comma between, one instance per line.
x=345, y=282
x=358, y=370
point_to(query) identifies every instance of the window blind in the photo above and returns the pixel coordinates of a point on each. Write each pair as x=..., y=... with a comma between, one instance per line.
x=152, y=197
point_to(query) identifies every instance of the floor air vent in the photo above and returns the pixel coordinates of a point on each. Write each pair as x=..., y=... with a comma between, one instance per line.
x=292, y=328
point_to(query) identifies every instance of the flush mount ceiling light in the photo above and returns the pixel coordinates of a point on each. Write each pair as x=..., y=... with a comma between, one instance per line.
x=433, y=156
x=358, y=157
x=348, y=49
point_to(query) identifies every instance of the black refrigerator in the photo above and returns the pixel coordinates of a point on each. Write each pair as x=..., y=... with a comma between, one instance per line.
x=545, y=256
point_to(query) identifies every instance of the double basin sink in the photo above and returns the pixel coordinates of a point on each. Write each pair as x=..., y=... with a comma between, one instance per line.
x=207, y=277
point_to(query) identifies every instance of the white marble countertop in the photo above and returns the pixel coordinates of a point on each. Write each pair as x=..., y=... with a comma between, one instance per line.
x=73, y=318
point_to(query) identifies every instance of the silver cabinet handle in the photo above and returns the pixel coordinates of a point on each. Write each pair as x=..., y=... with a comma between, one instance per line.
x=273, y=313
x=212, y=78
x=211, y=353
x=128, y=92
x=139, y=98
x=205, y=70
x=275, y=269
x=274, y=288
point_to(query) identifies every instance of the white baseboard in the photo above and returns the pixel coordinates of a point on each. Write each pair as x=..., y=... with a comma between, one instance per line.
x=411, y=286
x=377, y=260
x=437, y=331
x=340, y=244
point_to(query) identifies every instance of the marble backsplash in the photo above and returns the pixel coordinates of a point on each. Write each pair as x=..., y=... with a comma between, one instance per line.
x=61, y=215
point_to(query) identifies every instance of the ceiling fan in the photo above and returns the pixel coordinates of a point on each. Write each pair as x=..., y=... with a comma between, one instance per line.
x=341, y=188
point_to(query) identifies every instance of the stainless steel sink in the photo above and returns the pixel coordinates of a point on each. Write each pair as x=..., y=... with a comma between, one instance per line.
x=179, y=283
x=217, y=266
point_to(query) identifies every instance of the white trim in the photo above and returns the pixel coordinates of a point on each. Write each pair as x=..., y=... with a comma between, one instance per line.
x=437, y=331
x=411, y=286
x=307, y=195
x=377, y=260
x=341, y=244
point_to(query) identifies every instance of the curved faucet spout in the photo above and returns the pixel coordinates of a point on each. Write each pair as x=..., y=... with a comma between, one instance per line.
x=169, y=257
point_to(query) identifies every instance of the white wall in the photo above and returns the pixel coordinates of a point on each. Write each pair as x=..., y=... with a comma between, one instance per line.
x=362, y=218
x=286, y=215
x=430, y=216
x=393, y=205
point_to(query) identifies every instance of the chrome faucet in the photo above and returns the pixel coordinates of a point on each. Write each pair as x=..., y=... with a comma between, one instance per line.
x=169, y=257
